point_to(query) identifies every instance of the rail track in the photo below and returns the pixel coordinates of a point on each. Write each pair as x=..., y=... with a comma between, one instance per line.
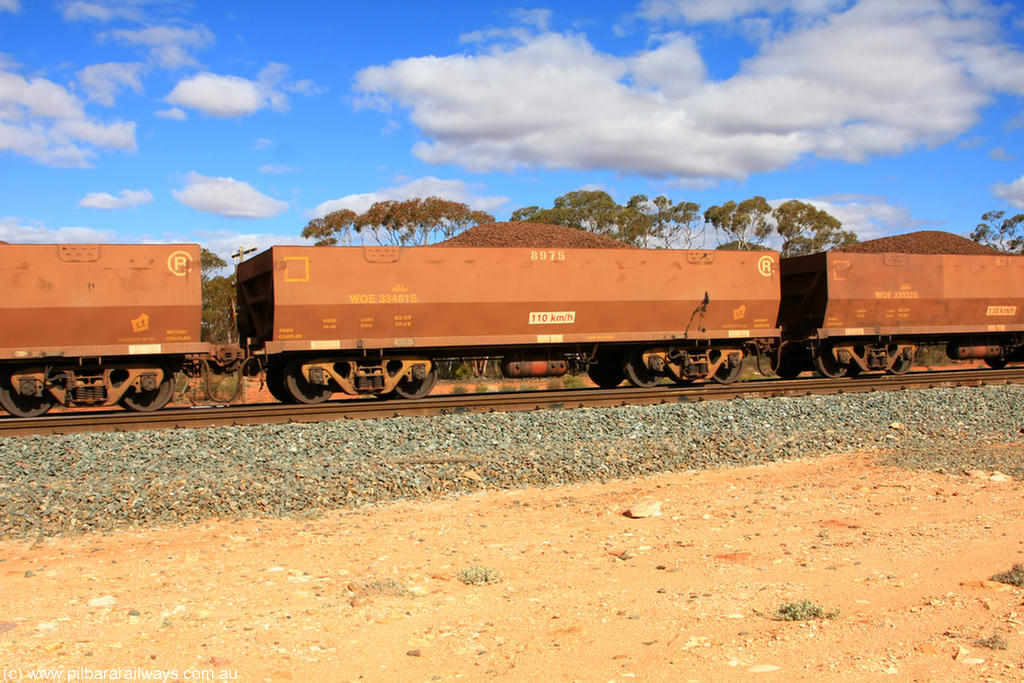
x=276, y=413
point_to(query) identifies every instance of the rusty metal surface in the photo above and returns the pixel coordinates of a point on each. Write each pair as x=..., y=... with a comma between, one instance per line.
x=322, y=298
x=99, y=300
x=843, y=294
x=72, y=422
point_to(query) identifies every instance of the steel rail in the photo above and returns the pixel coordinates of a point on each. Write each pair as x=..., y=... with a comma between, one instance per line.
x=369, y=408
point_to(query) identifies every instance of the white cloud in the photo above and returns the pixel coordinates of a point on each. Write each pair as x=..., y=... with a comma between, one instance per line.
x=868, y=216
x=698, y=11
x=174, y=113
x=44, y=121
x=101, y=82
x=1001, y=154
x=1013, y=193
x=263, y=143
x=224, y=243
x=277, y=169
x=12, y=6
x=452, y=190
x=229, y=96
x=170, y=47
x=14, y=230
x=879, y=78
x=102, y=11
x=227, y=197
x=125, y=199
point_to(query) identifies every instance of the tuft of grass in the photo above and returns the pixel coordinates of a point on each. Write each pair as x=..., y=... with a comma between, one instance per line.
x=1014, y=577
x=802, y=610
x=574, y=382
x=460, y=389
x=481, y=388
x=504, y=388
x=994, y=642
x=475, y=575
x=553, y=384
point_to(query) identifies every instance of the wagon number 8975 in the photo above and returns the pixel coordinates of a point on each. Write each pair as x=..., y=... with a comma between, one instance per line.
x=545, y=255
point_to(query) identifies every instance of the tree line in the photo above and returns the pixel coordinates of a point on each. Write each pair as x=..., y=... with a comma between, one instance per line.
x=658, y=222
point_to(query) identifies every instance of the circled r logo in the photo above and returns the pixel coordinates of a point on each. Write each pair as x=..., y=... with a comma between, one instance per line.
x=765, y=264
x=178, y=263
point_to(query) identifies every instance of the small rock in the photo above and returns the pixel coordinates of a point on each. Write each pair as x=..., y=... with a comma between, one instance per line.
x=987, y=585
x=763, y=668
x=105, y=601
x=218, y=661
x=645, y=507
x=414, y=652
x=6, y=626
x=961, y=654
x=29, y=574
x=898, y=426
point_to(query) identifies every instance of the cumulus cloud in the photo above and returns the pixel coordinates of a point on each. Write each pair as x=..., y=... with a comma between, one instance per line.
x=15, y=230
x=101, y=82
x=700, y=11
x=103, y=11
x=869, y=216
x=174, y=113
x=12, y=6
x=45, y=122
x=227, y=197
x=224, y=243
x=230, y=96
x=1013, y=192
x=878, y=78
x=277, y=169
x=169, y=47
x=452, y=190
x=125, y=199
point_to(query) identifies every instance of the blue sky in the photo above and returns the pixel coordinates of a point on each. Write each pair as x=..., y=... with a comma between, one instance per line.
x=234, y=123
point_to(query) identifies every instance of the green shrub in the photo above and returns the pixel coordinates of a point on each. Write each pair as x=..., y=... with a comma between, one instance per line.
x=574, y=382
x=481, y=388
x=994, y=642
x=1014, y=577
x=476, y=575
x=802, y=610
x=460, y=389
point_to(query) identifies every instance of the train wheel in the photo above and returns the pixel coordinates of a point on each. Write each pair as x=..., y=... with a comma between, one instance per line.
x=901, y=366
x=727, y=374
x=300, y=389
x=275, y=383
x=852, y=370
x=606, y=372
x=21, y=406
x=789, y=367
x=996, y=363
x=826, y=364
x=154, y=399
x=637, y=372
x=417, y=388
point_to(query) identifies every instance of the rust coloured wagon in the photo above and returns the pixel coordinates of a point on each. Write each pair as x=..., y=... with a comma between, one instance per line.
x=846, y=313
x=377, y=319
x=96, y=324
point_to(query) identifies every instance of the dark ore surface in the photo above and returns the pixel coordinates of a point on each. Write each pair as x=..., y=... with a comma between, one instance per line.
x=921, y=242
x=531, y=235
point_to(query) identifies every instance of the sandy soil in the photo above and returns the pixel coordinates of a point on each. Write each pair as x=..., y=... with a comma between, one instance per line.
x=586, y=593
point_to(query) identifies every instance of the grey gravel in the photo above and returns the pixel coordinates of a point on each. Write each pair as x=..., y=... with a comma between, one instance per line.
x=96, y=482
